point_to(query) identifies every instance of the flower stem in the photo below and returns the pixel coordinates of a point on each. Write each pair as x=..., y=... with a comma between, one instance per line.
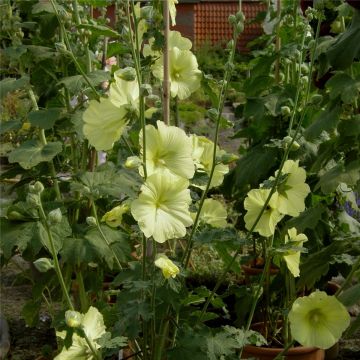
x=52, y=250
x=43, y=141
x=166, y=81
x=349, y=277
x=96, y=354
x=222, y=97
x=93, y=206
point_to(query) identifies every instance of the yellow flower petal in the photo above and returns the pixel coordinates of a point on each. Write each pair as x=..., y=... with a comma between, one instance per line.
x=253, y=203
x=213, y=213
x=104, y=123
x=318, y=320
x=168, y=148
x=168, y=268
x=162, y=209
x=185, y=77
x=113, y=218
x=293, y=192
x=292, y=258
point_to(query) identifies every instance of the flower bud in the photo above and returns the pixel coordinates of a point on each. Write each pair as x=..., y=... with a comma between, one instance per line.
x=15, y=215
x=73, y=318
x=287, y=141
x=285, y=111
x=232, y=19
x=113, y=218
x=33, y=199
x=132, y=162
x=316, y=99
x=128, y=74
x=43, y=264
x=168, y=268
x=240, y=16
x=55, y=216
x=145, y=89
x=91, y=221
x=212, y=114
x=37, y=188
x=239, y=27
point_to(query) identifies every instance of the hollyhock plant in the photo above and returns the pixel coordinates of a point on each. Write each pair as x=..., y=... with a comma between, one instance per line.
x=292, y=258
x=318, y=320
x=162, y=208
x=253, y=203
x=168, y=268
x=168, y=148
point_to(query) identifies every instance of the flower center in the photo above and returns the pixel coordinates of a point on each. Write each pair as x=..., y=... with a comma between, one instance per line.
x=315, y=316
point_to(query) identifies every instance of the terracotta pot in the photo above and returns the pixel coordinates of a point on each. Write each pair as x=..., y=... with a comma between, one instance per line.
x=296, y=353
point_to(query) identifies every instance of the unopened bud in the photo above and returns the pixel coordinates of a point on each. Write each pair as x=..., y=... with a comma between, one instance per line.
x=43, y=264
x=232, y=19
x=73, y=318
x=228, y=158
x=55, y=216
x=285, y=111
x=33, y=199
x=239, y=27
x=316, y=99
x=61, y=48
x=213, y=114
x=91, y=221
x=240, y=16
x=36, y=188
x=128, y=74
x=132, y=162
x=145, y=89
x=287, y=141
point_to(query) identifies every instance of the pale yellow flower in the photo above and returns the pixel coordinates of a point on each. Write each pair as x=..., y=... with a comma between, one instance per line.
x=202, y=154
x=292, y=258
x=172, y=10
x=113, y=218
x=318, y=320
x=293, y=191
x=104, y=123
x=168, y=268
x=168, y=148
x=213, y=213
x=175, y=40
x=185, y=77
x=92, y=324
x=162, y=209
x=124, y=93
x=253, y=203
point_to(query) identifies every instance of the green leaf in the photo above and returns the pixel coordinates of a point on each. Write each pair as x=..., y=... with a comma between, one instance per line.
x=109, y=343
x=314, y=266
x=11, y=125
x=44, y=119
x=32, y=152
x=75, y=83
x=308, y=219
x=30, y=312
x=116, y=48
x=350, y=127
x=325, y=120
x=251, y=169
x=108, y=182
x=100, y=30
x=96, y=3
x=346, y=48
x=343, y=86
x=59, y=232
x=211, y=235
x=349, y=174
x=350, y=296
x=254, y=108
x=9, y=85
x=352, y=329
x=19, y=236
